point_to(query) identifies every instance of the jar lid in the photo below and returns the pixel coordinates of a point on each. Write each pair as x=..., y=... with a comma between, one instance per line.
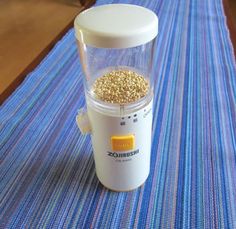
x=116, y=26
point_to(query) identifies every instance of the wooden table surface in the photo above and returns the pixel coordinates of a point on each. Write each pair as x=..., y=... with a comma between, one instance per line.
x=230, y=11
x=28, y=31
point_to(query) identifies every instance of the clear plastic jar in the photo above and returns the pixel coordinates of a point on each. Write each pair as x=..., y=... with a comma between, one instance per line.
x=97, y=62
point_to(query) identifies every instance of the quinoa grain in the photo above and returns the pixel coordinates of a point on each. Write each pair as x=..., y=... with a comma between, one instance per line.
x=121, y=86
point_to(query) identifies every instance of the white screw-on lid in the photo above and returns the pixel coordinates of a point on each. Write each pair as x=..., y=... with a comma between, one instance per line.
x=116, y=26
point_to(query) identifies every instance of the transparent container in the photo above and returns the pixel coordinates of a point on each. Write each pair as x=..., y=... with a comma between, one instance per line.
x=96, y=62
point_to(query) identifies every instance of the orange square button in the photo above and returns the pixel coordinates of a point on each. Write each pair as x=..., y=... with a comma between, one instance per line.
x=123, y=143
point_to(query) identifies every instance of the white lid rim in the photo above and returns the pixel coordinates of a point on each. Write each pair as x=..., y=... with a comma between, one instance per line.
x=114, y=42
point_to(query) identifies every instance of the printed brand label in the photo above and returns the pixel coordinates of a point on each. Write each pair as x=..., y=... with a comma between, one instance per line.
x=116, y=155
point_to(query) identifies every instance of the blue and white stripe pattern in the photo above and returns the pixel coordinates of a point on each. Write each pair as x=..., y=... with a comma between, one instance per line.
x=47, y=174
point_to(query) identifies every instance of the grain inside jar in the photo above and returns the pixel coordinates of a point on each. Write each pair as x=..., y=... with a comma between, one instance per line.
x=120, y=86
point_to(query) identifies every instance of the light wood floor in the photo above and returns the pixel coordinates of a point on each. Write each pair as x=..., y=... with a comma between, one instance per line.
x=27, y=27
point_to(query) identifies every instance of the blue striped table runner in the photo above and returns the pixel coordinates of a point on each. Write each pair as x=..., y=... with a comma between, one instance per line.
x=47, y=174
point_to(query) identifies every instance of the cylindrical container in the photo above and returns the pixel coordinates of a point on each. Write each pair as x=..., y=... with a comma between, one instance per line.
x=116, y=45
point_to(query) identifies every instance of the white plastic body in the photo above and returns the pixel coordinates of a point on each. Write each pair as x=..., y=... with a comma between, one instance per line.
x=114, y=170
